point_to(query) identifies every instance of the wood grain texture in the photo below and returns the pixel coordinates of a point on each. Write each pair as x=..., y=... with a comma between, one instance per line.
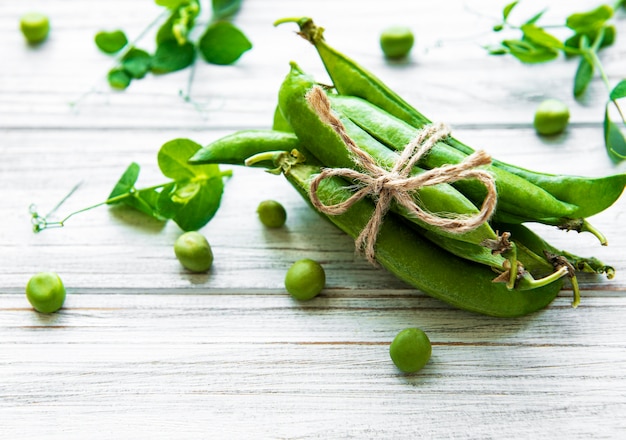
x=143, y=349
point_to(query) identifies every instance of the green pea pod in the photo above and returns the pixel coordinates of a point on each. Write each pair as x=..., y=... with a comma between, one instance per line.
x=515, y=195
x=328, y=147
x=235, y=148
x=422, y=264
x=589, y=195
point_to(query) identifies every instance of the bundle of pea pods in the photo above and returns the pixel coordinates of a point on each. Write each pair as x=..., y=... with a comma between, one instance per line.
x=500, y=267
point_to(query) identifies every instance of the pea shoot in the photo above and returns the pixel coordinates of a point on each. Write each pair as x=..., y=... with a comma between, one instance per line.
x=45, y=292
x=221, y=42
x=190, y=198
x=590, y=32
x=410, y=350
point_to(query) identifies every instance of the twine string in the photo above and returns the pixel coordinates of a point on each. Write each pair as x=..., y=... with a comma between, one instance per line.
x=397, y=184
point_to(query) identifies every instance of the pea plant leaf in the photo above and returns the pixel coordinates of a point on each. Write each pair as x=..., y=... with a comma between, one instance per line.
x=529, y=53
x=170, y=4
x=171, y=57
x=540, y=37
x=111, y=42
x=173, y=157
x=614, y=138
x=223, y=43
x=584, y=21
x=583, y=77
x=223, y=9
x=196, y=194
x=126, y=183
x=118, y=78
x=619, y=91
x=507, y=10
x=136, y=63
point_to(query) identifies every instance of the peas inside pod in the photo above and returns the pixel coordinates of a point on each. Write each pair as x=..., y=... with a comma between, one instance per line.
x=271, y=213
x=305, y=279
x=410, y=350
x=45, y=292
x=194, y=252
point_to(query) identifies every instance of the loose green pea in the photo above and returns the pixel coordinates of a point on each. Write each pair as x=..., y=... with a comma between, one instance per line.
x=410, y=350
x=271, y=213
x=396, y=41
x=551, y=117
x=45, y=292
x=305, y=279
x=35, y=27
x=193, y=251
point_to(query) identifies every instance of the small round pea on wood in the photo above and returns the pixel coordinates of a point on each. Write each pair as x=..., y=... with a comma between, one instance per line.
x=35, y=27
x=396, y=42
x=194, y=252
x=45, y=292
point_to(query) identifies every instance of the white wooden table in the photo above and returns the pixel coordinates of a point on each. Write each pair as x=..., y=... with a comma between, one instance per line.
x=143, y=349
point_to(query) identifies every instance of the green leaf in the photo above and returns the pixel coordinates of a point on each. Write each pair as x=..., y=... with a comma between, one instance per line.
x=540, y=37
x=507, y=9
x=585, y=21
x=170, y=57
x=118, y=78
x=145, y=201
x=173, y=159
x=614, y=140
x=584, y=75
x=535, y=18
x=136, y=63
x=110, y=42
x=225, y=8
x=619, y=91
x=223, y=43
x=608, y=39
x=529, y=53
x=170, y=4
x=197, y=201
x=126, y=183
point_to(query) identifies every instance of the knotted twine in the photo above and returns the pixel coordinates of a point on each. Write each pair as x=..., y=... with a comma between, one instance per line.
x=395, y=184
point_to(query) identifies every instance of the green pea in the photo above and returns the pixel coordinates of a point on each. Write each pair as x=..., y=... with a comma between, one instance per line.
x=551, y=117
x=305, y=279
x=271, y=213
x=193, y=251
x=35, y=27
x=45, y=292
x=410, y=350
x=396, y=41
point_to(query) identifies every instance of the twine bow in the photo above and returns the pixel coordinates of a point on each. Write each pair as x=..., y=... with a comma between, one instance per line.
x=396, y=184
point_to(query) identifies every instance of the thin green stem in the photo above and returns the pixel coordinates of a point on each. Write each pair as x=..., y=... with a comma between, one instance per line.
x=118, y=58
x=40, y=223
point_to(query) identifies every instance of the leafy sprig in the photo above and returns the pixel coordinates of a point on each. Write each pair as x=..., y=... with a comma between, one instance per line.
x=589, y=33
x=191, y=198
x=221, y=42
